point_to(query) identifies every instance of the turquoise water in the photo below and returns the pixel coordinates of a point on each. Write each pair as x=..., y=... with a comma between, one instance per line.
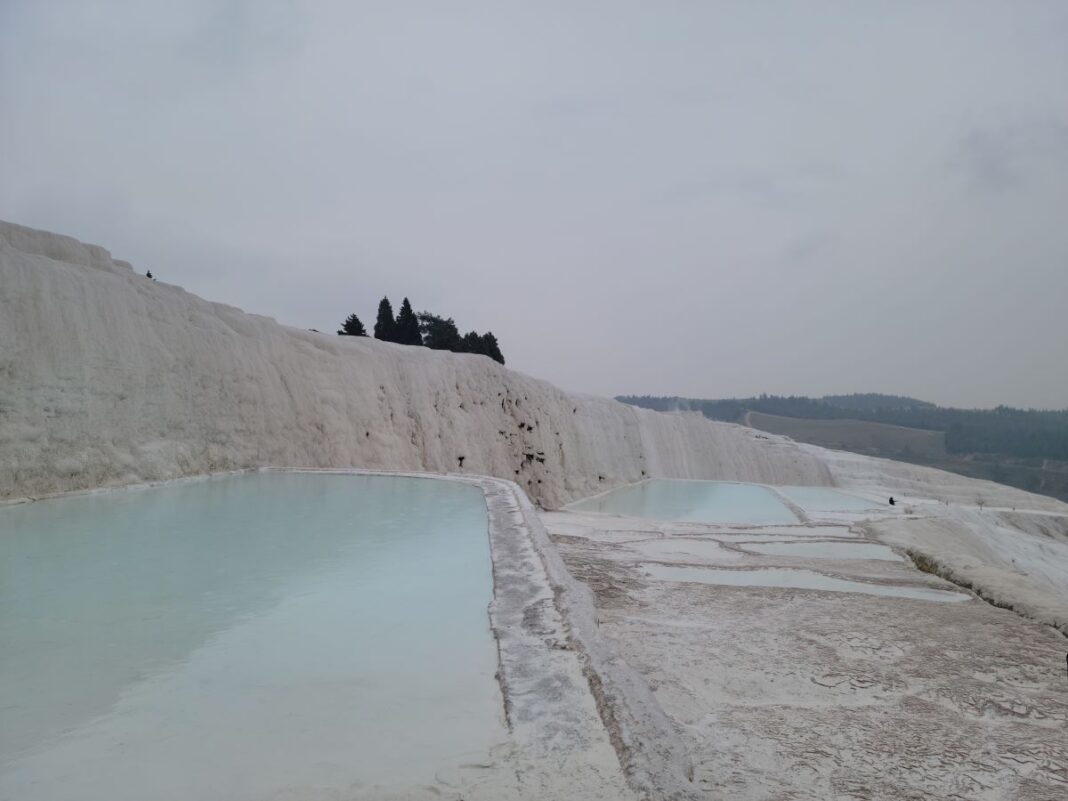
x=692, y=501
x=797, y=579
x=263, y=636
x=821, y=499
x=824, y=550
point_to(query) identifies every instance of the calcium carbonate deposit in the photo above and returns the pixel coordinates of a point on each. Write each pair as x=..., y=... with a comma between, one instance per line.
x=111, y=378
x=810, y=655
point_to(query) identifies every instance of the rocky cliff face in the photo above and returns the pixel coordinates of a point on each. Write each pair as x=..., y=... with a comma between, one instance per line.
x=109, y=378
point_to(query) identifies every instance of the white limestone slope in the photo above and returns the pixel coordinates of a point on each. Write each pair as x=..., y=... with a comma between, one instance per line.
x=1008, y=545
x=107, y=378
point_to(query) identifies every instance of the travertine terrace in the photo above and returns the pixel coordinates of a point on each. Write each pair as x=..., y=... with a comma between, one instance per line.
x=109, y=378
x=695, y=689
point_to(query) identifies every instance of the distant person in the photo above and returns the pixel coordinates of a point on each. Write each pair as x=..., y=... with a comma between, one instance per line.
x=892, y=501
x=149, y=275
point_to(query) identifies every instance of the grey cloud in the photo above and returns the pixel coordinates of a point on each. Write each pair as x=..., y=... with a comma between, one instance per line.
x=808, y=247
x=703, y=199
x=1006, y=157
x=755, y=187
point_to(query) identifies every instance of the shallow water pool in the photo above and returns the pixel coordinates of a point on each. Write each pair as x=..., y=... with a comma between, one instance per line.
x=270, y=635
x=796, y=579
x=691, y=501
x=824, y=550
x=821, y=499
x=681, y=549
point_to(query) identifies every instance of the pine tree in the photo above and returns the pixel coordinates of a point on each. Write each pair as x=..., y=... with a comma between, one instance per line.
x=439, y=333
x=407, y=327
x=385, y=325
x=352, y=327
x=472, y=343
x=491, y=348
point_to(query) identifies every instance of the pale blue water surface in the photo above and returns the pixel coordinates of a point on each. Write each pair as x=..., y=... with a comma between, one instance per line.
x=270, y=635
x=825, y=550
x=822, y=499
x=797, y=579
x=692, y=501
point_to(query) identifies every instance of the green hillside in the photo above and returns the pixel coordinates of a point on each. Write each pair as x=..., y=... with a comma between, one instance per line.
x=1025, y=448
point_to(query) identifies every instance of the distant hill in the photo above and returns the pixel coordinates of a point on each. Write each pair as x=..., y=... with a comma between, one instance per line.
x=861, y=436
x=873, y=402
x=1025, y=448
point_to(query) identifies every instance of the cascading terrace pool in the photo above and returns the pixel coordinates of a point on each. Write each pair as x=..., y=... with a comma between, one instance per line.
x=824, y=499
x=271, y=635
x=725, y=502
x=692, y=501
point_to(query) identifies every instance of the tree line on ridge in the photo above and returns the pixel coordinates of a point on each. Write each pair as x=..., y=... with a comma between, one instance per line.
x=425, y=329
x=1024, y=433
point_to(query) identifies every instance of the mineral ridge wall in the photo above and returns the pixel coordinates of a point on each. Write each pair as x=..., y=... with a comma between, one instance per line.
x=109, y=378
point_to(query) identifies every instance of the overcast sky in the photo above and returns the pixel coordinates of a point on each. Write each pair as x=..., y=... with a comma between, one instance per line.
x=706, y=199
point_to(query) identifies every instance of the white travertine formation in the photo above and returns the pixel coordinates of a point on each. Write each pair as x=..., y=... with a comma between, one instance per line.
x=1008, y=545
x=792, y=675
x=107, y=377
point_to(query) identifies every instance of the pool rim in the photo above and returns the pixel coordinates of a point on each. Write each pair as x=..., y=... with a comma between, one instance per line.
x=544, y=623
